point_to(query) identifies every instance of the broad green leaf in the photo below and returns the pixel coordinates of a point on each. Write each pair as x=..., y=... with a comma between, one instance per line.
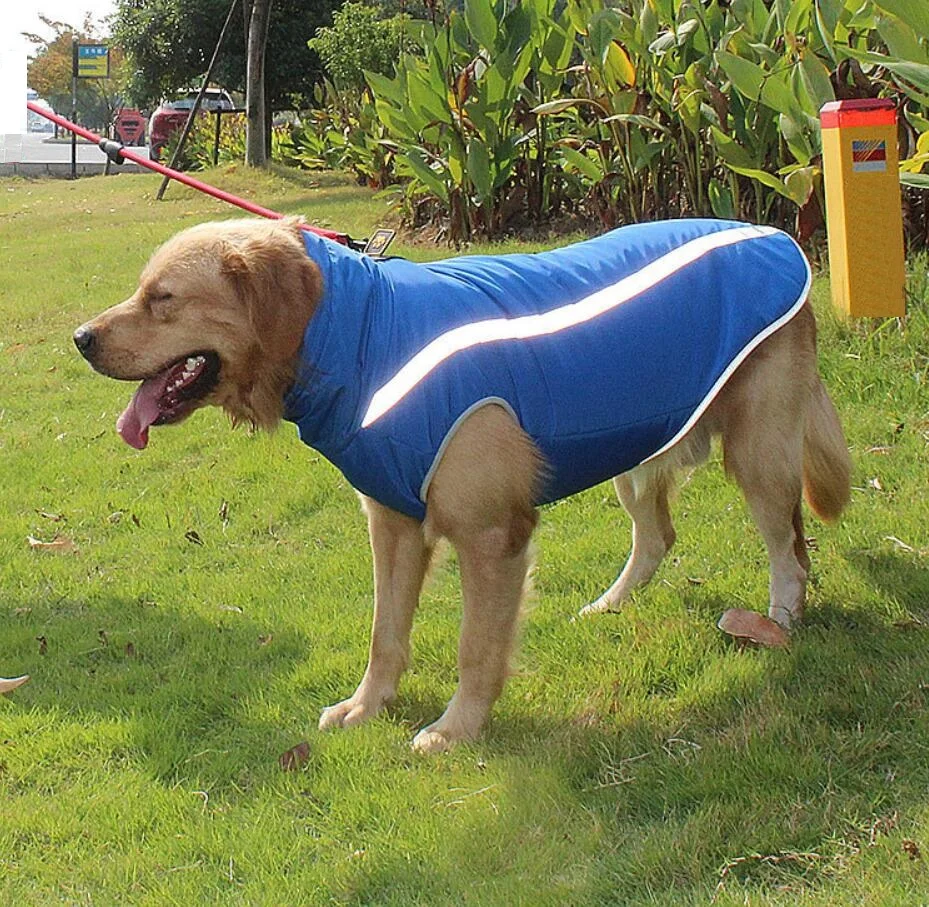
x=426, y=175
x=421, y=94
x=914, y=13
x=782, y=12
x=902, y=42
x=799, y=185
x=558, y=106
x=602, y=30
x=826, y=32
x=753, y=82
x=619, y=66
x=636, y=119
x=917, y=180
x=479, y=169
x=732, y=153
x=829, y=11
x=481, y=22
x=761, y=176
x=917, y=73
x=914, y=164
x=648, y=23
x=556, y=50
x=685, y=30
x=798, y=17
x=746, y=77
x=917, y=121
x=388, y=89
x=793, y=133
x=816, y=78
x=583, y=164
x=662, y=44
x=721, y=200
x=456, y=166
x=689, y=109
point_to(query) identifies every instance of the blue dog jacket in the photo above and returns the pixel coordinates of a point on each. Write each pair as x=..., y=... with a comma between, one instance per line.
x=606, y=352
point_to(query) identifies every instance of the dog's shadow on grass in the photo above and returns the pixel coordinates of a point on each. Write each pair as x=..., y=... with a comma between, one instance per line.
x=898, y=576
x=197, y=692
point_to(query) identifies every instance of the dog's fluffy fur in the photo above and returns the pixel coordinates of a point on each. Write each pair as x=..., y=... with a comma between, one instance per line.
x=245, y=290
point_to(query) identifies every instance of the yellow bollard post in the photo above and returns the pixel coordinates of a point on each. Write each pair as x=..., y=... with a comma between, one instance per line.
x=863, y=212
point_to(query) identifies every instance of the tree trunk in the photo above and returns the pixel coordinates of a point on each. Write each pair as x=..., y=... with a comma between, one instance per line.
x=256, y=135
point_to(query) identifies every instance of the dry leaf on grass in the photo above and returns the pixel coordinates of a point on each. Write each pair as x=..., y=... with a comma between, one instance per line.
x=753, y=627
x=8, y=684
x=61, y=544
x=295, y=757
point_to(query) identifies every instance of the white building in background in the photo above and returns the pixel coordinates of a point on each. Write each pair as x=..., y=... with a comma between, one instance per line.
x=12, y=83
x=12, y=95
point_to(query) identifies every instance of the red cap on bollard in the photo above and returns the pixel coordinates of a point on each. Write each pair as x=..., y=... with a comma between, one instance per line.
x=858, y=112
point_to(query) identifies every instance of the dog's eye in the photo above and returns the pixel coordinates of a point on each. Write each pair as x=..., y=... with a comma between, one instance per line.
x=159, y=304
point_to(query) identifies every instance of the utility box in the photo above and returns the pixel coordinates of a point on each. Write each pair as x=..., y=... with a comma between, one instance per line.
x=864, y=219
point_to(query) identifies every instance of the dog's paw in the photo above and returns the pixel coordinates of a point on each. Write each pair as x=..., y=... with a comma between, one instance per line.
x=347, y=713
x=428, y=741
x=601, y=606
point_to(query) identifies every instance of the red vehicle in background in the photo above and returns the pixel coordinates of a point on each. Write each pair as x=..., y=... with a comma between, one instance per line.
x=170, y=116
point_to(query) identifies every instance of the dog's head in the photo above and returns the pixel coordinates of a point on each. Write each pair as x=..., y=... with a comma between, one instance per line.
x=217, y=319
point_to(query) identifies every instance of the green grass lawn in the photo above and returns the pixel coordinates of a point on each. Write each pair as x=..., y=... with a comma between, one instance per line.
x=218, y=596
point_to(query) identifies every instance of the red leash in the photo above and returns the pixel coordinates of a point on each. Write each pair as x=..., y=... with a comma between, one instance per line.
x=117, y=152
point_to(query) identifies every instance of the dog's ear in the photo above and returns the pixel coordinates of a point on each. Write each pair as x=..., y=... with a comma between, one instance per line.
x=279, y=284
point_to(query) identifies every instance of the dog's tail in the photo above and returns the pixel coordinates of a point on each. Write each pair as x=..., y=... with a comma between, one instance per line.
x=827, y=467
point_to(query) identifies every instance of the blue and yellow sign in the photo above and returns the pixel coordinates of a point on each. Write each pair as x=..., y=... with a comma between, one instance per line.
x=93, y=61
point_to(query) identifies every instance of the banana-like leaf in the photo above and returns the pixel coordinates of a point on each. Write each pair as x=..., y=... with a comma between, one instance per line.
x=914, y=13
x=799, y=184
x=479, y=169
x=583, y=164
x=426, y=175
x=763, y=177
x=618, y=66
x=916, y=73
x=755, y=83
x=916, y=180
x=732, y=153
x=721, y=200
x=637, y=119
x=481, y=22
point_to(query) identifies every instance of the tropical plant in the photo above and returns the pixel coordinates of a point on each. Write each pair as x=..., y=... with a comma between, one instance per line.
x=644, y=109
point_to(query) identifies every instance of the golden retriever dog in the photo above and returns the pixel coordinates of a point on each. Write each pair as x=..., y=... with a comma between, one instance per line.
x=226, y=314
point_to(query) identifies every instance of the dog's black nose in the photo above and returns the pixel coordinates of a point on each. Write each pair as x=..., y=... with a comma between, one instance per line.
x=85, y=340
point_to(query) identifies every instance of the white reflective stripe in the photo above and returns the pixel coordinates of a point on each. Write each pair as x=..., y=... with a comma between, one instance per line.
x=567, y=316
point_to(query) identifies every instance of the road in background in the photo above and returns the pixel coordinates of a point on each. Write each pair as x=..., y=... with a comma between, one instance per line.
x=37, y=154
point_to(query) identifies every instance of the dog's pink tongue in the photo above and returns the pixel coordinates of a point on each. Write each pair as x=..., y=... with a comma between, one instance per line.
x=141, y=412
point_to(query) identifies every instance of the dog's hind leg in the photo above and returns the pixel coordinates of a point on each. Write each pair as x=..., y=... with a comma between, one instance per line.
x=644, y=493
x=401, y=558
x=772, y=488
x=761, y=415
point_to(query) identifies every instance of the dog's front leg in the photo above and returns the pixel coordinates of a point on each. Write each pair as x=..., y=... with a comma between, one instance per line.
x=492, y=580
x=481, y=501
x=401, y=557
